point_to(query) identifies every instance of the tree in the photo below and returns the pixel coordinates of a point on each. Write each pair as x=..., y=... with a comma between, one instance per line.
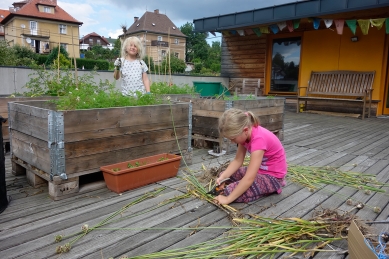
x=214, y=57
x=54, y=56
x=7, y=54
x=176, y=65
x=196, y=43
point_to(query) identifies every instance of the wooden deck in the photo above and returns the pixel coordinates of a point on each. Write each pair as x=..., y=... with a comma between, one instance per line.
x=32, y=220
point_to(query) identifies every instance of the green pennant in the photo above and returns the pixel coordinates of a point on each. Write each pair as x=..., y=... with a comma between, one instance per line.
x=352, y=24
x=296, y=23
x=387, y=25
x=257, y=32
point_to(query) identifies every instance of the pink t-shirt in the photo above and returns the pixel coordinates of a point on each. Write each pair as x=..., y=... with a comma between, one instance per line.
x=274, y=158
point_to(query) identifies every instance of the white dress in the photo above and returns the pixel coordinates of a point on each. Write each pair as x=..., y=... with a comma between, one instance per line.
x=132, y=72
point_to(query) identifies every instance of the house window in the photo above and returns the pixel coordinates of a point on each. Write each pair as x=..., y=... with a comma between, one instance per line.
x=34, y=27
x=32, y=43
x=176, y=41
x=47, y=9
x=163, y=53
x=62, y=29
x=285, y=64
x=159, y=38
x=90, y=41
x=98, y=42
x=176, y=54
x=65, y=46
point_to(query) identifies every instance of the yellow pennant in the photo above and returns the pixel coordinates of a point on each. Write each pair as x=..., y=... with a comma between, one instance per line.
x=377, y=22
x=364, y=24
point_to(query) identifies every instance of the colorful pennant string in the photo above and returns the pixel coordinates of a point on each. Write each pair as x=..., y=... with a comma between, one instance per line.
x=364, y=24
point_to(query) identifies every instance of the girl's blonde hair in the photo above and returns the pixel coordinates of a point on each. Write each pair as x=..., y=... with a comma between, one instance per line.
x=136, y=41
x=233, y=121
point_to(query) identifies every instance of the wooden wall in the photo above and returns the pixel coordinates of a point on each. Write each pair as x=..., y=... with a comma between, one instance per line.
x=243, y=57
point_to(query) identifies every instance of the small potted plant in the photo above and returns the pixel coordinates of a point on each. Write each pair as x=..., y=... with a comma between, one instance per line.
x=135, y=173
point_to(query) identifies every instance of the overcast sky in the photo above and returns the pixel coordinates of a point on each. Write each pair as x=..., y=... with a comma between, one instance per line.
x=105, y=17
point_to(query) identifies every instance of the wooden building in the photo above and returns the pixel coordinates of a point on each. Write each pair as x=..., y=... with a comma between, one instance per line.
x=41, y=25
x=159, y=35
x=283, y=44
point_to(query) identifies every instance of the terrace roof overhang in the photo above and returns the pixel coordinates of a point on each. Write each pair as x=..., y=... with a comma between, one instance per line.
x=352, y=9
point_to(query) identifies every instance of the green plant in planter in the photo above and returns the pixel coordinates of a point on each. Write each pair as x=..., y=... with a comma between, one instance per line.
x=162, y=159
x=165, y=88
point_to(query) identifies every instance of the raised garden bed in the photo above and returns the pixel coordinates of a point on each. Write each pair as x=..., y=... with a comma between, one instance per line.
x=61, y=146
x=207, y=111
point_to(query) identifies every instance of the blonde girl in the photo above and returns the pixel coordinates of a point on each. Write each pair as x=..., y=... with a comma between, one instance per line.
x=267, y=168
x=132, y=68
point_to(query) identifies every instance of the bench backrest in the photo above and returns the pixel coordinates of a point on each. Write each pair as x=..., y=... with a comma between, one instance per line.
x=341, y=82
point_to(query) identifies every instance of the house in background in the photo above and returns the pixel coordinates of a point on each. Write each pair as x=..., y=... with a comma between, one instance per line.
x=3, y=14
x=94, y=39
x=42, y=25
x=159, y=36
x=283, y=44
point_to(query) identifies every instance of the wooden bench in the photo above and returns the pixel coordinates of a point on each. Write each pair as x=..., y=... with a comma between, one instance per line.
x=340, y=85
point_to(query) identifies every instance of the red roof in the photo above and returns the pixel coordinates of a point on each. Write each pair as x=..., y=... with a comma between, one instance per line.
x=30, y=9
x=3, y=14
x=86, y=37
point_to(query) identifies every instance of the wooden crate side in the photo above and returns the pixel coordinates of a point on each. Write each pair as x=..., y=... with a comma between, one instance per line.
x=102, y=145
x=95, y=119
x=120, y=131
x=34, y=155
x=90, y=164
x=262, y=102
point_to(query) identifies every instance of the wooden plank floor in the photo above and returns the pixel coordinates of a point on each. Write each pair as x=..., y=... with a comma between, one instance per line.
x=32, y=220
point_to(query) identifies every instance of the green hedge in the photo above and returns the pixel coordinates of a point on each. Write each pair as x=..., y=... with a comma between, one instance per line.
x=41, y=59
x=91, y=64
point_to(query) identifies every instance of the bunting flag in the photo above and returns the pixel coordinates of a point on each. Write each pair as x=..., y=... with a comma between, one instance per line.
x=225, y=33
x=377, y=22
x=310, y=19
x=264, y=29
x=274, y=28
x=316, y=23
x=257, y=31
x=328, y=23
x=248, y=31
x=232, y=32
x=213, y=33
x=281, y=25
x=240, y=32
x=296, y=23
x=352, y=24
x=387, y=25
x=364, y=24
x=290, y=25
x=339, y=24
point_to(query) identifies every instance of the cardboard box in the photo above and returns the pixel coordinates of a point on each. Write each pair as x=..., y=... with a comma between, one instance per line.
x=357, y=248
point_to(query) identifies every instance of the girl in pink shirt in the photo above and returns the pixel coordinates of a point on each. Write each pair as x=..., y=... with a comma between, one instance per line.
x=266, y=171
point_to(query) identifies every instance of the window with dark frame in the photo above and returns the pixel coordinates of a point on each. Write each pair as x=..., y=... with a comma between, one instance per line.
x=285, y=64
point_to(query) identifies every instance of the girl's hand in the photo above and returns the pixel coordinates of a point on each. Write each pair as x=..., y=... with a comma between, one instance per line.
x=221, y=199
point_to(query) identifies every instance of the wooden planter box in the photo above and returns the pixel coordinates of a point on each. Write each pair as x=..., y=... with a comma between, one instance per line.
x=135, y=173
x=61, y=146
x=4, y=109
x=206, y=113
